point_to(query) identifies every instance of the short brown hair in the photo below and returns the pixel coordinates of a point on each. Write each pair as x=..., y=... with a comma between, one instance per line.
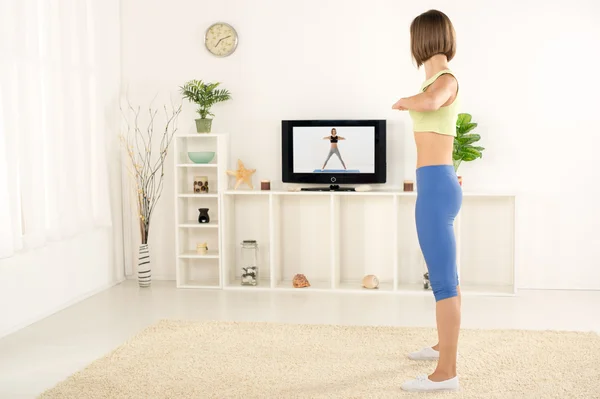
x=432, y=33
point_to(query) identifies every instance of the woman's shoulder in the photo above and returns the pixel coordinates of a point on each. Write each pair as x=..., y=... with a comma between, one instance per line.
x=443, y=73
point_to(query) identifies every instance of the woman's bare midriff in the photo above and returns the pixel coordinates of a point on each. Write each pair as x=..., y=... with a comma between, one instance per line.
x=433, y=149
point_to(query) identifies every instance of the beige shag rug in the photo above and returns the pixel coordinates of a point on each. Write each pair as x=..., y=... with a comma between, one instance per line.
x=177, y=359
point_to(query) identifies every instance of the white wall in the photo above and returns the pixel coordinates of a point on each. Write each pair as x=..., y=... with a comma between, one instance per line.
x=38, y=283
x=35, y=284
x=526, y=73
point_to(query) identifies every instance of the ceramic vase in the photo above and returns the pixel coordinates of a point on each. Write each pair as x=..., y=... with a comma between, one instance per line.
x=144, y=272
x=203, y=215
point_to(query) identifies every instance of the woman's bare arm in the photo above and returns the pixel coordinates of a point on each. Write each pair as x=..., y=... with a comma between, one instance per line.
x=431, y=99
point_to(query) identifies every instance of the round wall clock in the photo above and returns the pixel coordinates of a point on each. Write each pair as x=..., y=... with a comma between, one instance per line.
x=221, y=39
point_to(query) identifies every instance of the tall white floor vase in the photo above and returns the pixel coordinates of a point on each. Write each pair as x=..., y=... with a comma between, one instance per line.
x=144, y=272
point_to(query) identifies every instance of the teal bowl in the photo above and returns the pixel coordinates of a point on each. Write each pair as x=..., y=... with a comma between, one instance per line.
x=201, y=157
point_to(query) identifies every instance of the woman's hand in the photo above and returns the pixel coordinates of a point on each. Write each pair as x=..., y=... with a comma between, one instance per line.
x=399, y=105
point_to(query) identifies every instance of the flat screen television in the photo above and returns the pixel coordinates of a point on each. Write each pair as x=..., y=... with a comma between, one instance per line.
x=333, y=152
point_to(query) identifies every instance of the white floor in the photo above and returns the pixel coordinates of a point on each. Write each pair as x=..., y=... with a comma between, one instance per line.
x=40, y=355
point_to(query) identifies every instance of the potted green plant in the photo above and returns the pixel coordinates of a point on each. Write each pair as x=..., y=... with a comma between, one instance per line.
x=205, y=95
x=464, y=150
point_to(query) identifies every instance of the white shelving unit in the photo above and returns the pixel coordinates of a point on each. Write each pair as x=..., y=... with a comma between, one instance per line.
x=192, y=269
x=335, y=238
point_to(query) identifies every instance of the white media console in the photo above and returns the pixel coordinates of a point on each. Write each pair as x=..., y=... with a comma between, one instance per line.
x=333, y=238
x=336, y=238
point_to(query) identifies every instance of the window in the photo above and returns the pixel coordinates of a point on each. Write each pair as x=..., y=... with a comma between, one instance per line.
x=52, y=178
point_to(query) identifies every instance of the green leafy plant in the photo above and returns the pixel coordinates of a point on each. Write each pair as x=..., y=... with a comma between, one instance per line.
x=464, y=150
x=205, y=95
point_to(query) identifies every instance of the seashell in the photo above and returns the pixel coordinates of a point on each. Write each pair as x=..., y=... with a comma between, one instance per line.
x=370, y=281
x=300, y=281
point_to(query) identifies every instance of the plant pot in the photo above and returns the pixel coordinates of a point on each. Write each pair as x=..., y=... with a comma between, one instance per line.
x=144, y=272
x=203, y=125
x=460, y=180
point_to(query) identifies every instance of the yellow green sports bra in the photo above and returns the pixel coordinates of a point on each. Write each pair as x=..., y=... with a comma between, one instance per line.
x=443, y=120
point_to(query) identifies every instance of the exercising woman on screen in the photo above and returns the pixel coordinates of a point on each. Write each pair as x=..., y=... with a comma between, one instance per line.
x=333, y=139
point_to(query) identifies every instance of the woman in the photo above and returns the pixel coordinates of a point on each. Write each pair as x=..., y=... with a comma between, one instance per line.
x=439, y=196
x=333, y=139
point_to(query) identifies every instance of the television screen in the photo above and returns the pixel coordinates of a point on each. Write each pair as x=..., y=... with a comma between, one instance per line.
x=336, y=149
x=333, y=151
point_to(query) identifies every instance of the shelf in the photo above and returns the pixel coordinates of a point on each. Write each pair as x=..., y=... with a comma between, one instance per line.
x=488, y=194
x=196, y=271
x=245, y=218
x=196, y=165
x=413, y=288
x=381, y=193
x=384, y=288
x=357, y=286
x=194, y=255
x=366, y=237
x=486, y=290
x=197, y=135
x=466, y=290
x=303, y=239
x=338, y=193
x=336, y=239
x=247, y=192
x=332, y=237
x=193, y=224
x=206, y=285
x=314, y=286
x=198, y=195
x=264, y=285
x=237, y=285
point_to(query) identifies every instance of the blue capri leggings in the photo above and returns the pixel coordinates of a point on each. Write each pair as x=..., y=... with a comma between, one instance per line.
x=439, y=197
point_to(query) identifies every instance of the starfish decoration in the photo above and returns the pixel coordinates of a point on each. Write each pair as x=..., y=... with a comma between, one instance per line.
x=242, y=175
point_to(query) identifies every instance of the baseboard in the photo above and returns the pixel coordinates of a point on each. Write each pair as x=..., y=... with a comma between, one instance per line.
x=59, y=308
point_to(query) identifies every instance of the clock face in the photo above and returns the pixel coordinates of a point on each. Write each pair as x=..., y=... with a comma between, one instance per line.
x=221, y=39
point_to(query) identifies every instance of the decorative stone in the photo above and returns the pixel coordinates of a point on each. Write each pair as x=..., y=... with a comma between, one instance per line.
x=250, y=275
x=370, y=281
x=300, y=281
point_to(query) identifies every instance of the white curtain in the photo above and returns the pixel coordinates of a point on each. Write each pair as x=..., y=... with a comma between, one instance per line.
x=53, y=172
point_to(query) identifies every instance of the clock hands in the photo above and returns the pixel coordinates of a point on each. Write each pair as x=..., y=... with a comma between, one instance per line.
x=223, y=38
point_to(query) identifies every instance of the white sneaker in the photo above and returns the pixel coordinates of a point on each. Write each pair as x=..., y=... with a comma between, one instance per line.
x=425, y=354
x=423, y=384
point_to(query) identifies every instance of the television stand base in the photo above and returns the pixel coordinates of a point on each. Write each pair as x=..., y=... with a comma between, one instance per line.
x=333, y=187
